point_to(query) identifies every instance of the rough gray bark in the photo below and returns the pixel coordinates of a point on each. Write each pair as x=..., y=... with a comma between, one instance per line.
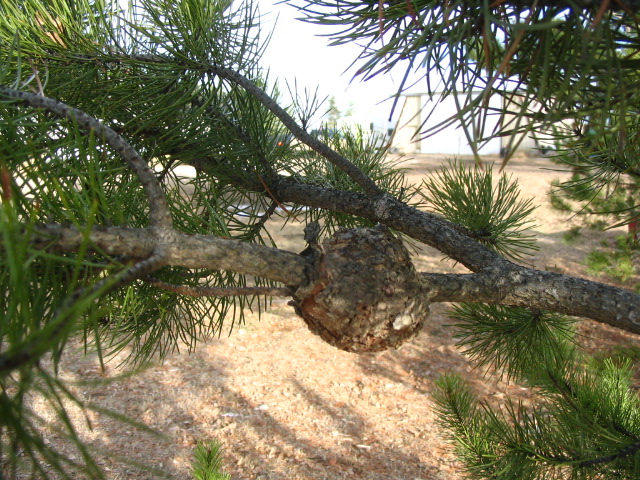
x=503, y=283
x=535, y=289
x=423, y=226
x=190, y=251
x=497, y=280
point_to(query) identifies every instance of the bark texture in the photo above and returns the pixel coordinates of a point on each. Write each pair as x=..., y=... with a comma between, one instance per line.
x=367, y=295
x=190, y=251
x=423, y=226
x=536, y=289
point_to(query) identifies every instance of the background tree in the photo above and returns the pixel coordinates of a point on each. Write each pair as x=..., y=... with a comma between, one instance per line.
x=334, y=113
x=102, y=239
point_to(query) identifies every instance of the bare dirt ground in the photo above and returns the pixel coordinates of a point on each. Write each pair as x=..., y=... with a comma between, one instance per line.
x=285, y=405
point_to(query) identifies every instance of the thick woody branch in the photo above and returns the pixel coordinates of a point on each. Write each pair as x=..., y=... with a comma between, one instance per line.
x=525, y=287
x=190, y=251
x=504, y=283
x=498, y=281
x=423, y=226
x=159, y=210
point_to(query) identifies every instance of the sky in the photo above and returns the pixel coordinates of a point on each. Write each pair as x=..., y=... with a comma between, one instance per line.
x=298, y=52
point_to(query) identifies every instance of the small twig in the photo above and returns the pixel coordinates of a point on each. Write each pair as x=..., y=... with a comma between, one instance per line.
x=189, y=251
x=36, y=77
x=264, y=184
x=218, y=291
x=625, y=452
x=598, y=18
x=6, y=183
x=166, y=170
x=255, y=228
x=412, y=13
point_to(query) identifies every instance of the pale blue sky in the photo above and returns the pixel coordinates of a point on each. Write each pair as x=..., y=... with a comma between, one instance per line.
x=298, y=52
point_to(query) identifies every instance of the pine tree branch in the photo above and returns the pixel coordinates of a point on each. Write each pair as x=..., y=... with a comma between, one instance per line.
x=341, y=162
x=159, y=210
x=504, y=284
x=497, y=281
x=625, y=452
x=526, y=287
x=190, y=251
x=423, y=226
x=300, y=133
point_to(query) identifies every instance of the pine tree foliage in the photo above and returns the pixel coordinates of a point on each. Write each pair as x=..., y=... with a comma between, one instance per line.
x=554, y=61
x=567, y=71
x=604, y=183
x=584, y=426
x=492, y=214
x=103, y=239
x=535, y=338
x=207, y=463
